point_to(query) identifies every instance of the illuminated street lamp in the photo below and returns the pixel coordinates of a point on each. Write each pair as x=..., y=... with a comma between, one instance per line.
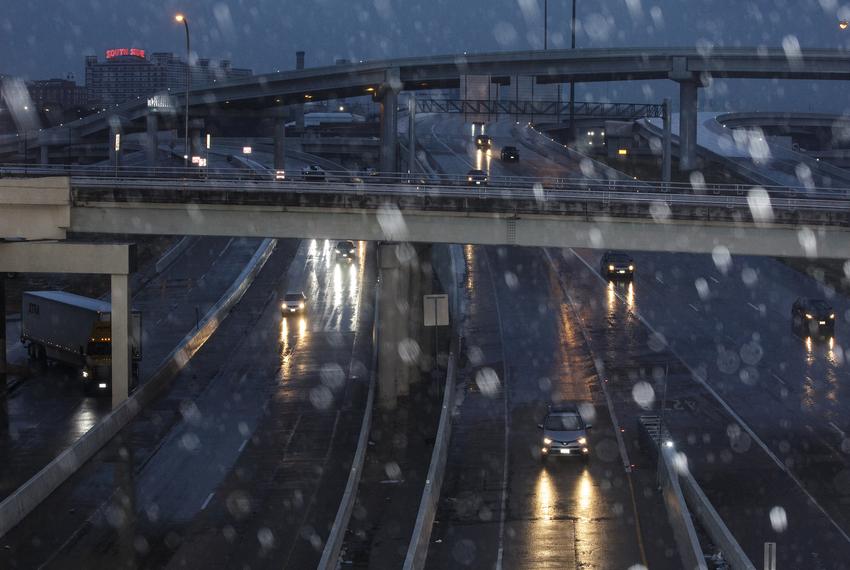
x=180, y=18
x=843, y=24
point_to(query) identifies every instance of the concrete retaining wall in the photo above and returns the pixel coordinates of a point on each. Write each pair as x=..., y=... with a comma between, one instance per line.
x=713, y=524
x=29, y=495
x=677, y=513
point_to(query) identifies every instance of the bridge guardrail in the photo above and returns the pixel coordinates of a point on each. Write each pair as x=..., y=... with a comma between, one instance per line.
x=395, y=178
x=200, y=179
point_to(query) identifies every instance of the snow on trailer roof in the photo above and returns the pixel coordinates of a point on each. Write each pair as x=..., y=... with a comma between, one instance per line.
x=75, y=300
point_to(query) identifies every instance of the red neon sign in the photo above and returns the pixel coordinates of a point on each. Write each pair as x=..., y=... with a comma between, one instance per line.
x=119, y=52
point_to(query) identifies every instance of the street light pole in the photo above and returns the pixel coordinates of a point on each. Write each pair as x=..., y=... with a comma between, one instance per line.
x=545, y=24
x=572, y=81
x=185, y=21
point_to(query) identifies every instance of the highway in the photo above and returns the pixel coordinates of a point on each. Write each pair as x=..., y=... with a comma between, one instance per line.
x=49, y=410
x=263, y=419
x=764, y=433
x=501, y=506
x=773, y=435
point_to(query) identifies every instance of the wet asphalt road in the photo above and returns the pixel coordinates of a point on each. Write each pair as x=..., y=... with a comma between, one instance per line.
x=501, y=506
x=765, y=433
x=769, y=449
x=245, y=459
x=49, y=410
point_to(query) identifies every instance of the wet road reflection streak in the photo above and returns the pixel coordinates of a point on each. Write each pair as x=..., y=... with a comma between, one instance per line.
x=293, y=333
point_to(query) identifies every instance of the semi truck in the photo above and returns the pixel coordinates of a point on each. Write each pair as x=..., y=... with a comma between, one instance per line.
x=76, y=331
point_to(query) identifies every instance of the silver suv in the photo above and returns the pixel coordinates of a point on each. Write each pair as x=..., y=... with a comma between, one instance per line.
x=564, y=433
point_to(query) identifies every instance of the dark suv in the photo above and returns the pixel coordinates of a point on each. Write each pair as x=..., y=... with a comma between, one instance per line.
x=813, y=317
x=616, y=265
x=510, y=154
x=345, y=250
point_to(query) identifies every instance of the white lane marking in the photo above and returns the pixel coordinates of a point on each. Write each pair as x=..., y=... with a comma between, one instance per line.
x=696, y=310
x=729, y=409
x=242, y=447
x=838, y=429
x=754, y=307
x=781, y=381
x=714, y=279
x=621, y=444
x=207, y=501
x=503, y=514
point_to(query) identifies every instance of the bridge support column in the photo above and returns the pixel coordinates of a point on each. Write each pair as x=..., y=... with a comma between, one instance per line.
x=402, y=323
x=44, y=154
x=688, y=125
x=120, y=320
x=151, y=139
x=389, y=122
x=280, y=144
x=388, y=319
x=411, y=134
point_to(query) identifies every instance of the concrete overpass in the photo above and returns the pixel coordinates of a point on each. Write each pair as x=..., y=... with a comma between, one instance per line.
x=266, y=94
x=528, y=212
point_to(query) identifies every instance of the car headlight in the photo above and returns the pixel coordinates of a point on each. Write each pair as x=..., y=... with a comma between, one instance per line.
x=300, y=305
x=631, y=267
x=85, y=373
x=610, y=268
x=547, y=441
x=808, y=316
x=582, y=441
x=832, y=316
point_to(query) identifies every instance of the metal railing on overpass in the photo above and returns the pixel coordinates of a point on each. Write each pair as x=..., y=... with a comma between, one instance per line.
x=624, y=111
x=381, y=183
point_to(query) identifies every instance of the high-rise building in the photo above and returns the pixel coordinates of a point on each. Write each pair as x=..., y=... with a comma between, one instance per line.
x=59, y=93
x=127, y=73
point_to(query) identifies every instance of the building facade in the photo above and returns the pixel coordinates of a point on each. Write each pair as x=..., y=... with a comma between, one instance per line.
x=129, y=73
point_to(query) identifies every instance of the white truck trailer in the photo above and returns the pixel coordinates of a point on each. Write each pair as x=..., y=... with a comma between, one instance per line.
x=76, y=330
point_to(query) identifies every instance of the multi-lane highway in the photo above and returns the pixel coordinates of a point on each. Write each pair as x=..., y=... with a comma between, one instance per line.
x=757, y=410
x=501, y=505
x=244, y=458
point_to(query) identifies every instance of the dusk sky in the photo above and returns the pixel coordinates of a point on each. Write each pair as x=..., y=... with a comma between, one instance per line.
x=45, y=39
x=41, y=42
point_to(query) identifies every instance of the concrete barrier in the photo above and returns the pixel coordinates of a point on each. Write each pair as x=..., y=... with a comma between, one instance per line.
x=336, y=538
x=713, y=524
x=678, y=515
x=172, y=254
x=417, y=550
x=28, y=496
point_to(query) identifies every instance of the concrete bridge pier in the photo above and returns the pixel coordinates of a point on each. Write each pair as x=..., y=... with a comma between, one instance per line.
x=280, y=144
x=44, y=154
x=388, y=95
x=120, y=299
x=405, y=347
x=151, y=139
x=688, y=90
